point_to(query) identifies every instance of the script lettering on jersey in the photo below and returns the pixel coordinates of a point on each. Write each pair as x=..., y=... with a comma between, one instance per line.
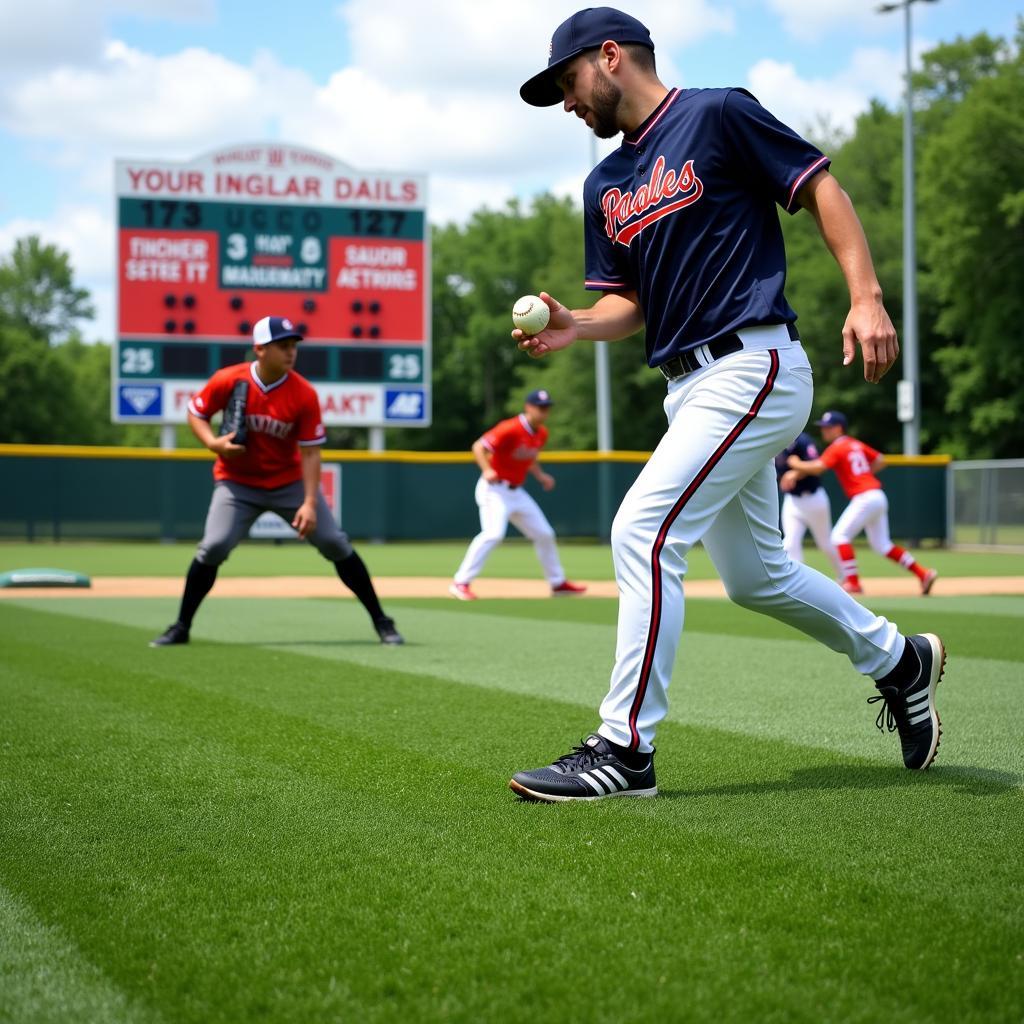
x=626, y=214
x=268, y=425
x=524, y=453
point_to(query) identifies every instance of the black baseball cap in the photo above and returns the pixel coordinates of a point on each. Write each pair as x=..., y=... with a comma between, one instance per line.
x=831, y=419
x=274, y=328
x=585, y=30
x=540, y=397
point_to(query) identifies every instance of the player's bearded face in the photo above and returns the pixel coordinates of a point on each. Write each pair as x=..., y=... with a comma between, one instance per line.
x=604, y=105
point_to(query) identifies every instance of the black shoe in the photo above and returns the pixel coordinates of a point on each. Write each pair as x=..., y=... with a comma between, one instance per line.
x=175, y=633
x=591, y=771
x=910, y=707
x=386, y=631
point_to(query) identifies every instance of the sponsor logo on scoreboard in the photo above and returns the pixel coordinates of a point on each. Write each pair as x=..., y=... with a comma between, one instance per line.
x=136, y=400
x=406, y=404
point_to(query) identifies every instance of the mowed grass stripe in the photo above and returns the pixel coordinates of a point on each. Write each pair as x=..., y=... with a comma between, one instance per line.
x=786, y=689
x=974, y=627
x=45, y=978
x=213, y=832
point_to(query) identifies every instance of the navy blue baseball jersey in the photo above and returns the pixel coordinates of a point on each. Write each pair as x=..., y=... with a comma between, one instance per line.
x=803, y=448
x=683, y=212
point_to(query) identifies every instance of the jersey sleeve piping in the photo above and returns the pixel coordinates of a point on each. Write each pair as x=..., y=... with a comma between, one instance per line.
x=314, y=443
x=821, y=162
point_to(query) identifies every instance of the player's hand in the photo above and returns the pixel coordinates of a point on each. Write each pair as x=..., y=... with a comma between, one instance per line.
x=560, y=332
x=793, y=461
x=869, y=326
x=546, y=480
x=491, y=475
x=305, y=519
x=225, y=446
x=788, y=480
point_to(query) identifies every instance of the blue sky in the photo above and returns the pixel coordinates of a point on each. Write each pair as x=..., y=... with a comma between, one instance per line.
x=384, y=84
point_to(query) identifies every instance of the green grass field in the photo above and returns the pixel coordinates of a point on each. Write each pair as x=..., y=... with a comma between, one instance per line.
x=286, y=821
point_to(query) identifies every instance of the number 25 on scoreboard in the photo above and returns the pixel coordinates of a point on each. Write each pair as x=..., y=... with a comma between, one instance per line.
x=137, y=362
x=404, y=367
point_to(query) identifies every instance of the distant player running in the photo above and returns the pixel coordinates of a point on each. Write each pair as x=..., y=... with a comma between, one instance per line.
x=276, y=470
x=855, y=464
x=505, y=454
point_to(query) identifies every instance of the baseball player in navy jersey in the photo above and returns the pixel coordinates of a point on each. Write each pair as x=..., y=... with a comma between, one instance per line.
x=683, y=239
x=276, y=470
x=805, y=505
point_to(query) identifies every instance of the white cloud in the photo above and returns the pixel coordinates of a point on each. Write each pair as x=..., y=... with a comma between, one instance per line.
x=799, y=102
x=809, y=20
x=492, y=47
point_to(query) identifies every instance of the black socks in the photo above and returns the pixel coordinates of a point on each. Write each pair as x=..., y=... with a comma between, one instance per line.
x=353, y=573
x=907, y=669
x=197, y=585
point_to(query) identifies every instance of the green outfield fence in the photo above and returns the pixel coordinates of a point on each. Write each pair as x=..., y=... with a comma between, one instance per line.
x=55, y=492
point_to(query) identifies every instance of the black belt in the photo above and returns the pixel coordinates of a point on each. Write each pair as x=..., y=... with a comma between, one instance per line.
x=686, y=362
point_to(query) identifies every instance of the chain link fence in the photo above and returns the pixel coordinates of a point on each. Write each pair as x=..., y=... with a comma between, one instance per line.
x=985, y=504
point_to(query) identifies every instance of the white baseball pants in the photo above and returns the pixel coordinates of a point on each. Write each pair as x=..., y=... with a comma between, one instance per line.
x=500, y=505
x=712, y=477
x=867, y=511
x=803, y=512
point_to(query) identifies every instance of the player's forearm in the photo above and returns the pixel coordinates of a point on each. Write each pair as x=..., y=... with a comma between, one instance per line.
x=842, y=232
x=310, y=473
x=482, y=456
x=613, y=317
x=814, y=467
x=202, y=430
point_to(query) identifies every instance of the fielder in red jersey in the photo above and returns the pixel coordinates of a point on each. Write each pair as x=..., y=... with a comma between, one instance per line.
x=855, y=465
x=275, y=469
x=505, y=454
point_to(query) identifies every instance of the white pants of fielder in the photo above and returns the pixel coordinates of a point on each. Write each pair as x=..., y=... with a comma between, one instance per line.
x=803, y=512
x=867, y=511
x=500, y=505
x=712, y=478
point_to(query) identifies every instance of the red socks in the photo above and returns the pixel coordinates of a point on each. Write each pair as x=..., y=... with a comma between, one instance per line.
x=906, y=559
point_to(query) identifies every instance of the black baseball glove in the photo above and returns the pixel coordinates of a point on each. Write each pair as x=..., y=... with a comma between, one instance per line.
x=233, y=419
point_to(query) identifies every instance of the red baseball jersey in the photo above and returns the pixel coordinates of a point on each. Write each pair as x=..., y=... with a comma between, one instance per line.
x=851, y=459
x=514, y=446
x=279, y=417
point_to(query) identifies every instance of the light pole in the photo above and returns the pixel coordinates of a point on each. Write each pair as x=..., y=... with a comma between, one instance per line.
x=908, y=397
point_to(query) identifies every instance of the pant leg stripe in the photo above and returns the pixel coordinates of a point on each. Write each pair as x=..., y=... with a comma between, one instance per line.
x=662, y=537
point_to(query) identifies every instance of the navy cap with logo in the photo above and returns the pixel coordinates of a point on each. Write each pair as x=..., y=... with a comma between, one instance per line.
x=585, y=30
x=831, y=419
x=540, y=398
x=274, y=328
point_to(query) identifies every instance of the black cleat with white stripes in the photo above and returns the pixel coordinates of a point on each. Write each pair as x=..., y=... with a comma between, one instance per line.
x=909, y=706
x=592, y=771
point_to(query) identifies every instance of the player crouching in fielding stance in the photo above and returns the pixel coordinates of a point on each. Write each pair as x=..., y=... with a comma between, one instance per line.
x=855, y=465
x=505, y=454
x=682, y=238
x=276, y=470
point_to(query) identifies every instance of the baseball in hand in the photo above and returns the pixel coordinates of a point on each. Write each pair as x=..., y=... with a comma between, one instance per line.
x=531, y=314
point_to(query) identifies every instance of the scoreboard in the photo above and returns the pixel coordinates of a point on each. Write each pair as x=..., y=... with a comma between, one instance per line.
x=208, y=247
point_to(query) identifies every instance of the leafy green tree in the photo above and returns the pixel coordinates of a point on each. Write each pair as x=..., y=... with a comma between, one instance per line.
x=38, y=293
x=972, y=238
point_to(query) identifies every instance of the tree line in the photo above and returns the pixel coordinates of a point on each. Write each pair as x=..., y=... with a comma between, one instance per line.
x=969, y=120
